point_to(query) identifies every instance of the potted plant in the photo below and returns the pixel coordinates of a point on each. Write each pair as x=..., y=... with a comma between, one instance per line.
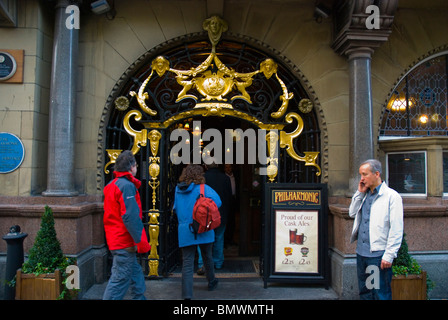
x=42, y=276
x=409, y=280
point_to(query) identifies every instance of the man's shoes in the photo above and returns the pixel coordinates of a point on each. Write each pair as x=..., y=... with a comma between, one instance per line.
x=200, y=271
x=212, y=284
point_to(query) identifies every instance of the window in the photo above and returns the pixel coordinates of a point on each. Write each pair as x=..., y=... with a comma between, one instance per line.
x=406, y=172
x=418, y=105
x=445, y=173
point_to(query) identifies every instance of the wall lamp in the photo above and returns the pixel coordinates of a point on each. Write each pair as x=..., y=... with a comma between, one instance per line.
x=100, y=6
x=321, y=12
x=103, y=6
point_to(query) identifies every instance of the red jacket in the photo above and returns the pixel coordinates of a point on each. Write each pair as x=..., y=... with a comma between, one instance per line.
x=123, y=214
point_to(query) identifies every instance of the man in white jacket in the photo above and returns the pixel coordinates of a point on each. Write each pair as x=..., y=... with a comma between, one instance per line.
x=378, y=228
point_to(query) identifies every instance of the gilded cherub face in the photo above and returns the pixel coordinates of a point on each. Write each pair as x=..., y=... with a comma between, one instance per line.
x=268, y=67
x=215, y=27
x=161, y=65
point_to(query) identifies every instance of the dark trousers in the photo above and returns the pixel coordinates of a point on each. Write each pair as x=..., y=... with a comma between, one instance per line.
x=374, y=283
x=188, y=255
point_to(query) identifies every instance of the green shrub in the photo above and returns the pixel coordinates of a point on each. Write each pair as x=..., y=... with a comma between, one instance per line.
x=405, y=264
x=45, y=256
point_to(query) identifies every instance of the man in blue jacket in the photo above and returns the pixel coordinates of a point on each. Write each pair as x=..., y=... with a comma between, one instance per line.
x=378, y=228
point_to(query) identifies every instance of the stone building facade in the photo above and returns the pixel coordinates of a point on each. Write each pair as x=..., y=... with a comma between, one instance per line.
x=351, y=64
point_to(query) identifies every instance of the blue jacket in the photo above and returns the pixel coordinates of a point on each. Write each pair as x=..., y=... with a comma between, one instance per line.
x=185, y=198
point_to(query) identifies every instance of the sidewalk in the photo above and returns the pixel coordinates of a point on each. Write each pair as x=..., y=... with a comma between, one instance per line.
x=235, y=287
x=239, y=279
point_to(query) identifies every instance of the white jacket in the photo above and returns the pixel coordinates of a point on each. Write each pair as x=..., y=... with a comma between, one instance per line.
x=386, y=221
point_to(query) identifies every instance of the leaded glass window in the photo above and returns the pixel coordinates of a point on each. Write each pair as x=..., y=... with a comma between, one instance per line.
x=445, y=172
x=418, y=104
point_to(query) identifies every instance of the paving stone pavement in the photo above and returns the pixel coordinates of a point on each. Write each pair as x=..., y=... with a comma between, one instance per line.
x=236, y=287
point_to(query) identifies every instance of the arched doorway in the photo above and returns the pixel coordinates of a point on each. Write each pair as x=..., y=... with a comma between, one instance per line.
x=156, y=96
x=238, y=153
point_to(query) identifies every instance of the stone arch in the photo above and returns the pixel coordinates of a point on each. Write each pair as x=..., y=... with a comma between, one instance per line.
x=201, y=36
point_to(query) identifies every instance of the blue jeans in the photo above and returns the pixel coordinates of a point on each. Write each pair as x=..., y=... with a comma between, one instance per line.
x=218, y=248
x=366, y=279
x=126, y=272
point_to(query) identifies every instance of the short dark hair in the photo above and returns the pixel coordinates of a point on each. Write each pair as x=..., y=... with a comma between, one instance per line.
x=125, y=161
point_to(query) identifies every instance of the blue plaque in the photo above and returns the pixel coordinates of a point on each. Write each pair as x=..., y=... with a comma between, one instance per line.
x=12, y=152
x=8, y=66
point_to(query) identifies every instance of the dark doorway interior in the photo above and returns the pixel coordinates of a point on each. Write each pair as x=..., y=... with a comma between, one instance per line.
x=243, y=232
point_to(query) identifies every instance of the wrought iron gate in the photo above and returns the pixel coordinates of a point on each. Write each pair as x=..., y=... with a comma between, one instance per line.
x=197, y=78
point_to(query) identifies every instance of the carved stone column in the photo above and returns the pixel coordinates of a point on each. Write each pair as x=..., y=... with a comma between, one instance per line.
x=356, y=39
x=61, y=135
x=361, y=113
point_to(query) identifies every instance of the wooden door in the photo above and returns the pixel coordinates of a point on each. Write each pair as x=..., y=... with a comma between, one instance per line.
x=250, y=211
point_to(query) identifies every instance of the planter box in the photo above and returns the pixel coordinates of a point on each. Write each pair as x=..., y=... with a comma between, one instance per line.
x=411, y=287
x=42, y=287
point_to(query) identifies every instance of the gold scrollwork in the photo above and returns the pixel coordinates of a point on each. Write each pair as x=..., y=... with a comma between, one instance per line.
x=272, y=169
x=153, y=233
x=113, y=155
x=153, y=267
x=285, y=97
x=269, y=67
x=286, y=141
x=154, y=168
x=310, y=160
x=142, y=96
x=140, y=137
x=154, y=184
x=154, y=242
x=213, y=80
x=240, y=80
x=214, y=109
x=212, y=84
x=154, y=137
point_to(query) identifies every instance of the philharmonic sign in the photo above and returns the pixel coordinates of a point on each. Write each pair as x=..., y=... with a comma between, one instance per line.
x=296, y=237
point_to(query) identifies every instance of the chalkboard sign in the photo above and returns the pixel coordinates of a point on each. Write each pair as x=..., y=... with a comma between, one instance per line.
x=8, y=66
x=296, y=234
x=12, y=152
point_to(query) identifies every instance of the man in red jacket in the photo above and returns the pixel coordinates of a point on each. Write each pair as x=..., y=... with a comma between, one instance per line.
x=125, y=234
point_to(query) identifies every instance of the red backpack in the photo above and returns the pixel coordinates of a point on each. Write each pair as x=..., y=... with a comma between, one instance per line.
x=206, y=215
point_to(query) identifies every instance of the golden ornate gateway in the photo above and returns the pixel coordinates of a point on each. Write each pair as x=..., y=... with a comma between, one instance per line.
x=209, y=88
